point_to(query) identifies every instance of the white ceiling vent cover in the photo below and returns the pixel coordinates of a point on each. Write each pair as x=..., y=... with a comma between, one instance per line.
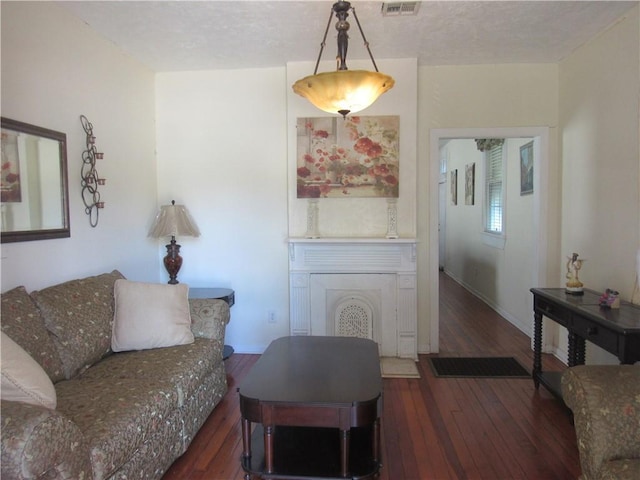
x=400, y=8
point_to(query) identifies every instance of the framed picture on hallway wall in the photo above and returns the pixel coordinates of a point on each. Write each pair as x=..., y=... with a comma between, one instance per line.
x=469, y=183
x=454, y=187
x=526, y=168
x=352, y=157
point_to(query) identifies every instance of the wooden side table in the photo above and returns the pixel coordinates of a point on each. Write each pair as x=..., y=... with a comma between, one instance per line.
x=226, y=294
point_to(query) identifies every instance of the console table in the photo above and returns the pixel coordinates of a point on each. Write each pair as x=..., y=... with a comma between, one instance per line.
x=615, y=330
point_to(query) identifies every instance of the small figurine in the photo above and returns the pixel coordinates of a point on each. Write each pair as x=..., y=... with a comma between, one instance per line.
x=574, y=285
x=610, y=299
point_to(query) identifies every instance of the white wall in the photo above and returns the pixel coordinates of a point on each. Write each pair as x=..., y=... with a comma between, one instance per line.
x=222, y=151
x=55, y=68
x=478, y=96
x=222, y=138
x=599, y=104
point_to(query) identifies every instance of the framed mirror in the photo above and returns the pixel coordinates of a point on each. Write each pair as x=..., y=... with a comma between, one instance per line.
x=34, y=192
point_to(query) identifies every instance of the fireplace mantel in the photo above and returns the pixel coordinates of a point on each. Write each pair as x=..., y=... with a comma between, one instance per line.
x=332, y=264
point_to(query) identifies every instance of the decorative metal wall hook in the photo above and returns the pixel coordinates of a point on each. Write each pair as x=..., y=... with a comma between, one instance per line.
x=90, y=181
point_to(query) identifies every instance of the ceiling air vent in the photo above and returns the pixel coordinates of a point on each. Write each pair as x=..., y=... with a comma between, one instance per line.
x=400, y=8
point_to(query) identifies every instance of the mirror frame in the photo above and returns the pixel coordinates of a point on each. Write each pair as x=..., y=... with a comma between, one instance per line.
x=50, y=233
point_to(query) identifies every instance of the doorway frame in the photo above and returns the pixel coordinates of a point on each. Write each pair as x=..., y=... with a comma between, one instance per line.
x=540, y=135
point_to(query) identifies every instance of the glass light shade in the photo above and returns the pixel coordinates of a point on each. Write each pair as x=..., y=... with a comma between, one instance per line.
x=343, y=91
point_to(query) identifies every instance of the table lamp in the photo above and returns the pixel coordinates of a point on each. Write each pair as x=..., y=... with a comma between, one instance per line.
x=171, y=221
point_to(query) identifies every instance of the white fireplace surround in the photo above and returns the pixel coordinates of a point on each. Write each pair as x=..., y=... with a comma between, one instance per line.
x=356, y=286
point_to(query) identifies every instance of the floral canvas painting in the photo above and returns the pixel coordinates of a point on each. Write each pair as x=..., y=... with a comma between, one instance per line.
x=354, y=157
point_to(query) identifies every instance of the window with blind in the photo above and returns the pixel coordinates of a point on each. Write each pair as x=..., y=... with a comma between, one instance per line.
x=494, y=191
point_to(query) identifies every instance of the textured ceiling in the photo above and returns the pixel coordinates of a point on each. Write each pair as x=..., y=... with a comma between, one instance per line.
x=187, y=35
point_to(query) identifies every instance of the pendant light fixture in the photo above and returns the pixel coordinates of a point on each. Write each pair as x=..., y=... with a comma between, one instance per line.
x=343, y=91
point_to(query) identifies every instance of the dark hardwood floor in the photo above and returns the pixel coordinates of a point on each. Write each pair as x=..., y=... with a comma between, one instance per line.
x=434, y=428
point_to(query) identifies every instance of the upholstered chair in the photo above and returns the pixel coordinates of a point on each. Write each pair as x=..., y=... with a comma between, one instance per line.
x=605, y=401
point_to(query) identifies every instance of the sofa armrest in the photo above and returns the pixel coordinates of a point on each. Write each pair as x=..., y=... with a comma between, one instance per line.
x=605, y=401
x=209, y=317
x=39, y=442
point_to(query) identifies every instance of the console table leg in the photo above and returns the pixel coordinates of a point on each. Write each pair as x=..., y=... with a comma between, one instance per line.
x=344, y=452
x=581, y=350
x=268, y=448
x=577, y=350
x=246, y=438
x=537, y=348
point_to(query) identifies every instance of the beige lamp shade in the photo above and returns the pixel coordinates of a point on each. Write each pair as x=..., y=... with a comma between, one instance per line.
x=343, y=91
x=173, y=221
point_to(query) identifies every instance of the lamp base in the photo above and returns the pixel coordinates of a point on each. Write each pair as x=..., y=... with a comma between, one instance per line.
x=173, y=261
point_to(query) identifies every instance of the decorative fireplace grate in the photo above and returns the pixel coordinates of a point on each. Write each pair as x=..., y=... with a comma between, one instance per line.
x=354, y=318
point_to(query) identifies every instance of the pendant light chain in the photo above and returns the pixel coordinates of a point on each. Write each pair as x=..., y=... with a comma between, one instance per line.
x=366, y=43
x=324, y=42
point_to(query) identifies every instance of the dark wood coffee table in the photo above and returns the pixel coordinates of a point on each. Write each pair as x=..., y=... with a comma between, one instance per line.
x=317, y=403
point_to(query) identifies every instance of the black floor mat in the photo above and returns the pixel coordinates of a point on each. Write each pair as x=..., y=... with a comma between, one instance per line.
x=487, y=367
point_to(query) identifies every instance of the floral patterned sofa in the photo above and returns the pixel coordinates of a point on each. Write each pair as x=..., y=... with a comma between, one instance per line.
x=128, y=414
x=605, y=401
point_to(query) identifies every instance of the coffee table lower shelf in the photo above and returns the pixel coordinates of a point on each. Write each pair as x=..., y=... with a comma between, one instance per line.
x=312, y=453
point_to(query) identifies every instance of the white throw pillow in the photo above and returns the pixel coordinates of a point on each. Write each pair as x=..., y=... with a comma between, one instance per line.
x=23, y=379
x=150, y=315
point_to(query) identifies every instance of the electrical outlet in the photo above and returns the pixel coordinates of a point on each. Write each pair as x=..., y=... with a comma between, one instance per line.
x=271, y=316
